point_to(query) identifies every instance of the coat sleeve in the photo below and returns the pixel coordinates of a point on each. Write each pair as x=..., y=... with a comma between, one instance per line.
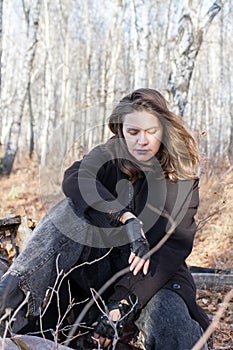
x=167, y=261
x=84, y=182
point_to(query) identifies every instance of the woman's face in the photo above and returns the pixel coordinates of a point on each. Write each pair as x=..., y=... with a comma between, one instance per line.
x=143, y=134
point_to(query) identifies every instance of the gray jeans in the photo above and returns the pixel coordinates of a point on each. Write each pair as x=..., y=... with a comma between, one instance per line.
x=165, y=324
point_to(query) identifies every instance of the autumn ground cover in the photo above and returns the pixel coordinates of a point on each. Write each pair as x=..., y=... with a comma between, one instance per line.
x=213, y=247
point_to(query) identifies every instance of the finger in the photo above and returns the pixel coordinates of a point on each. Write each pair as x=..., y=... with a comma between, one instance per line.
x=137, y=264
x=104, y=341
x=131, y=257
x=138, y=267
x=134, y=263
x=101, y=340
x=115, y=315
x=146, y=267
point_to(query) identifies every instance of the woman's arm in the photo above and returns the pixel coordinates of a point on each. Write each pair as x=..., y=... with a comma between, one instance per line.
x=166, y=262
x=91, y=184
x=84, y=182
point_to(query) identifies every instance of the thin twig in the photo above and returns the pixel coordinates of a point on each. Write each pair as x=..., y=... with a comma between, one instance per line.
x=215, y=321
x=12, y=319
x=125, y=270
x=105, y=312
x=207, y=218
x=64, y=275
x=55, y=292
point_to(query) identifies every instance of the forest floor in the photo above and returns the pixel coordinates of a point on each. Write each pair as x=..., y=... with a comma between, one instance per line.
x=213, y=247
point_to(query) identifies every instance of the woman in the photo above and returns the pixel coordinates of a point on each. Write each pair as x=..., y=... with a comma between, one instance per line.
x=127, y=194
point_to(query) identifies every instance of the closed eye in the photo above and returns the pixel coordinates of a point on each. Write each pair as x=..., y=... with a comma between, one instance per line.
x=152, y=131
x=132, y=131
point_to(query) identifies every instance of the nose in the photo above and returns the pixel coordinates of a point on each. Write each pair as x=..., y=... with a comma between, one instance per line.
x=142, y=138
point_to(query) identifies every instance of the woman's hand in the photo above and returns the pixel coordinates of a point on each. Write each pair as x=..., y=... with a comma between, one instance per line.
x=138, y=263
x=138, y=243
x=109, y=326
x=105, y=329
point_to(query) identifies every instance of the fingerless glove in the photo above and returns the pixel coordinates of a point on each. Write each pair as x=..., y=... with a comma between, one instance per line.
x=104, y=327
x=139, y=245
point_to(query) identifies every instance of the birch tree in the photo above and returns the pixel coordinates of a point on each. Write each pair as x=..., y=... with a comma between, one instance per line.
x=160, y=42
x=209, y=99
x=15, y=127
x=1, y=1
x=0, y=62
x=227, y=77
x=47, y=92
x=192, y=28
x=141, y=40
x=112, y=48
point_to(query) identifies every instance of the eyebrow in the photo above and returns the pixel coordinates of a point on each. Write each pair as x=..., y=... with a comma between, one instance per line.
x=134, y=128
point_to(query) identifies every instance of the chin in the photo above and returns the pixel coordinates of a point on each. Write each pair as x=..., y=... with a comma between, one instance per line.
x=143, y=159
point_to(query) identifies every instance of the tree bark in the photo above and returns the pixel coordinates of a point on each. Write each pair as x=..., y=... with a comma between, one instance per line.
x=190, y=36
x=48, y=100
x=1, y=1
x=31, y=122
x=141, y=32
x=15, y=128
x=111, y=55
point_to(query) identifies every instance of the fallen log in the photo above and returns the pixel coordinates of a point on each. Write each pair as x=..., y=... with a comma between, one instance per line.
x=8, y=248
x=26, y=342
x=208, y=278
x=212, y=280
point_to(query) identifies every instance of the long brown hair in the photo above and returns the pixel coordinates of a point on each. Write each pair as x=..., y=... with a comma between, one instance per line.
x=178, y=154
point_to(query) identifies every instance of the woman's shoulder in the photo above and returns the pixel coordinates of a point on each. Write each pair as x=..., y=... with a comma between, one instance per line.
x=102, y=150
x=182, y=189
x=194, y=182
x=100, y=158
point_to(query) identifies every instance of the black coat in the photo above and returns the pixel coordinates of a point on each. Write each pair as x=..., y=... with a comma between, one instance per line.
x=92, y=183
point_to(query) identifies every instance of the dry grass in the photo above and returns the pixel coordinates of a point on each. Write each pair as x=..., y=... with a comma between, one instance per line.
x=213, y=246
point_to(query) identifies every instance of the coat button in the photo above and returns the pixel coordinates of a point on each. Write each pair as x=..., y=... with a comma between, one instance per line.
x=176, y=286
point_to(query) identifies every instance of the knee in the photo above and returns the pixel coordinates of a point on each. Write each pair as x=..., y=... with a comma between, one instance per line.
x=167, y=310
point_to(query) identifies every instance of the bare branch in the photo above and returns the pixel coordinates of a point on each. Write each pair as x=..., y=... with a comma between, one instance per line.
x=214, y=323
x=126, y=269
x=13, y=317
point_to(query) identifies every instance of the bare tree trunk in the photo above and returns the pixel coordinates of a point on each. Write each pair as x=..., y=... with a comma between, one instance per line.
x=1, y=1
x=31, y=123
x=190, y=37
x=112, y=52
x=26, y=11
x=140, y=11
x=88, y=122
x=227, y=92
x=15, y=128
x=48, y=98
x=230, y=147
x=64, y=11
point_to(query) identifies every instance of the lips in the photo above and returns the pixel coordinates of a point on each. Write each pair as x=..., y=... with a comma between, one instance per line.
x=142, y=151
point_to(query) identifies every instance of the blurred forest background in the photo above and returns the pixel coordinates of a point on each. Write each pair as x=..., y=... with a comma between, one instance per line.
x=65, y=64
